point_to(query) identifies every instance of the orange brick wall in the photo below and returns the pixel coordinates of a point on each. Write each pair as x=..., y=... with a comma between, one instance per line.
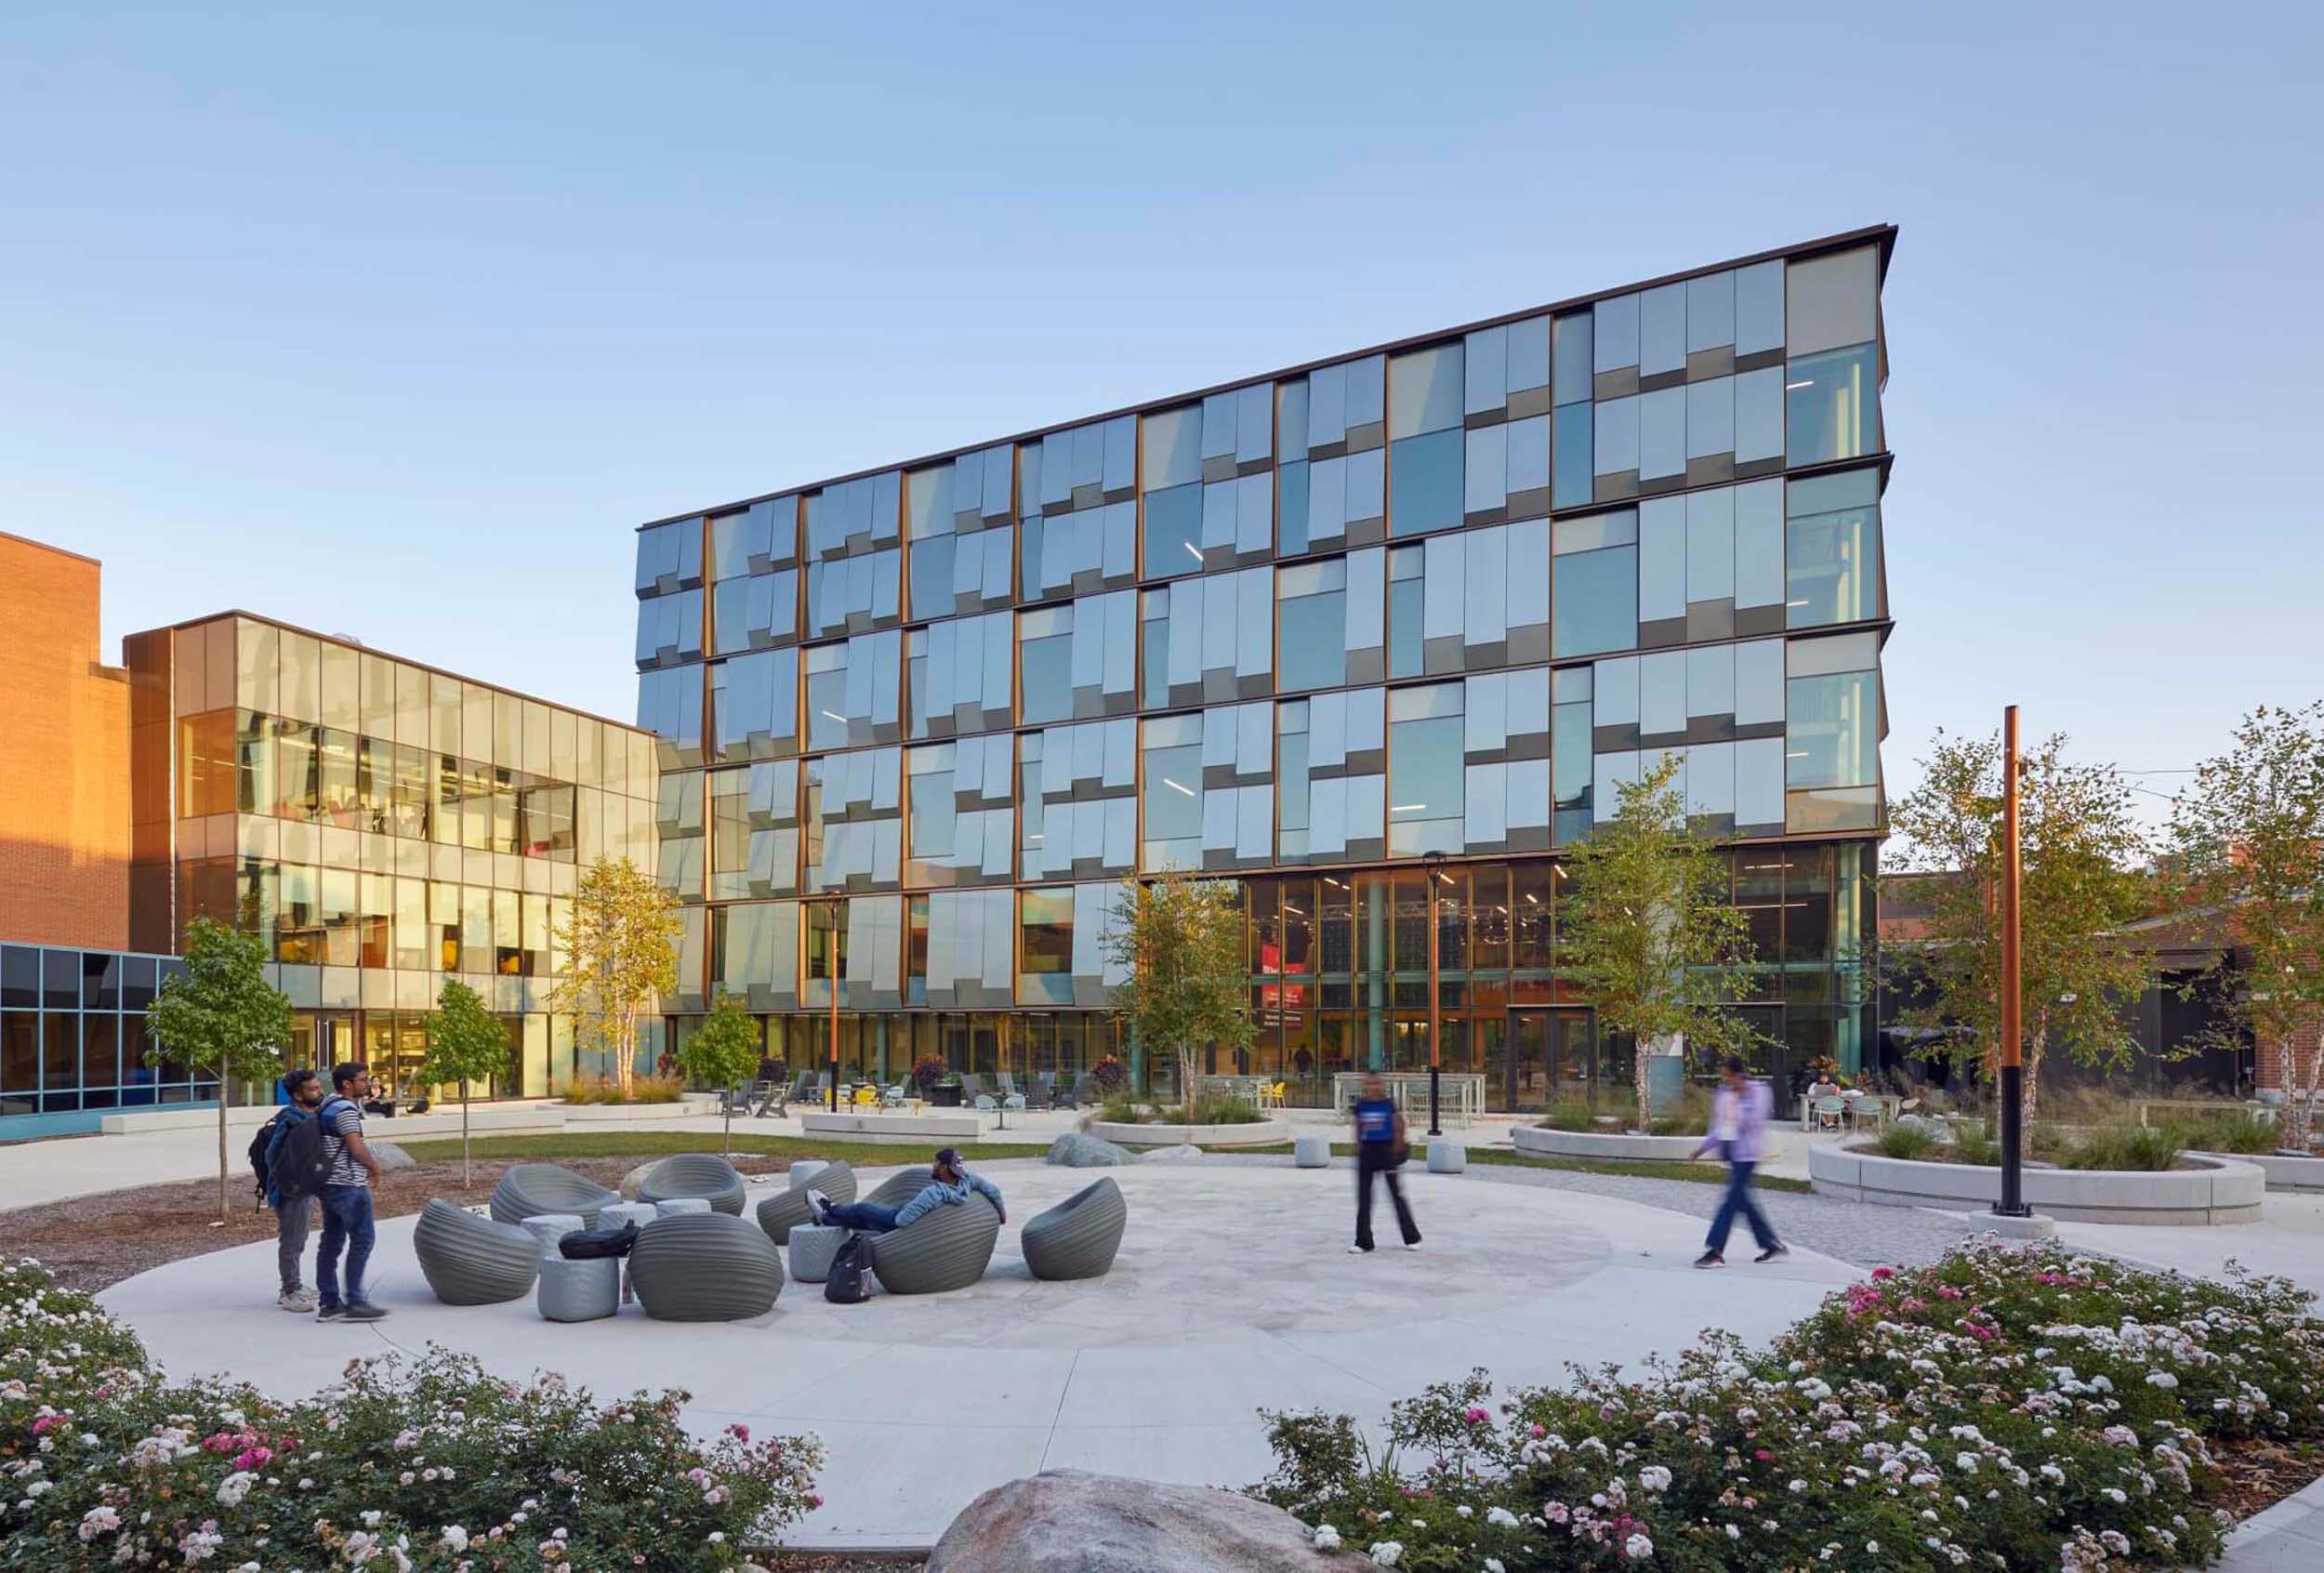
x=64, y=757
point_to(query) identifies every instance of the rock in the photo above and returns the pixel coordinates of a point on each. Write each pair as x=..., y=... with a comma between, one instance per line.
x=1068, y=1521
x=1077, y=1150
x=392, y=1156
x=636, y=1177
x=1185, y=1152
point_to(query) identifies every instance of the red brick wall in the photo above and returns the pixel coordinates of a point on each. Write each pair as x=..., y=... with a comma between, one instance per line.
x=64, y=757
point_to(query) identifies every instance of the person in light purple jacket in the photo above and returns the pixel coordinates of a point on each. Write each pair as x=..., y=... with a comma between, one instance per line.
x=1738, y=1132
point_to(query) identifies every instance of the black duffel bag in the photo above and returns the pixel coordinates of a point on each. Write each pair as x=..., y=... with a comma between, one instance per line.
x=591, y=1245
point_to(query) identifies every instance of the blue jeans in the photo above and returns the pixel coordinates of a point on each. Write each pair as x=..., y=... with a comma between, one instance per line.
x=869, y=1216
x=346, y=1221
x=1738, y=1200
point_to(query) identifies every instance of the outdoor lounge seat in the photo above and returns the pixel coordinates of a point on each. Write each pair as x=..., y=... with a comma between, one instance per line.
x=705, y=1267
x=472, y=1260
x=1078, y=1238
x=694, y=1174
x=945, y=1249
x=528, y=1190
x=900, y=1186
x=787, y=1210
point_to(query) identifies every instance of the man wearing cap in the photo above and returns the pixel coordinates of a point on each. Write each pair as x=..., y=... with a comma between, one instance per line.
x=951, y=1185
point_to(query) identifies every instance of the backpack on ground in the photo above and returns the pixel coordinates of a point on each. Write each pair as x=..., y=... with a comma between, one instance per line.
x=844, y=1284
x=301, y=1160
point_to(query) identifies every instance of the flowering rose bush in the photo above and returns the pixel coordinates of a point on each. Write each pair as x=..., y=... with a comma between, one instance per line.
x=2011, y=1406
x=430, y=1464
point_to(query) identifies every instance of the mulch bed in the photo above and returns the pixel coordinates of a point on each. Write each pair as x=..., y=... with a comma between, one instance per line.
x=93, y=1242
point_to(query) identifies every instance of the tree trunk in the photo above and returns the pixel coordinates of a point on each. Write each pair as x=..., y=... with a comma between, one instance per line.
x=726, y=1137
x=464, y=1170
x=2033, y=1069
x=1640, y=1083
x=221, y=1146
x=2299, y=1111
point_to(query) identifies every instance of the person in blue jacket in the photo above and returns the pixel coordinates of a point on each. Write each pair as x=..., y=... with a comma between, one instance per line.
x=952, y=1185
x=294, y=1217
x=1380, y=1151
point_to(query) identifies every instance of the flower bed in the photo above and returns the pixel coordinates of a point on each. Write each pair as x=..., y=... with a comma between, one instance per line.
x=420, y=1466
x=2011, y=1407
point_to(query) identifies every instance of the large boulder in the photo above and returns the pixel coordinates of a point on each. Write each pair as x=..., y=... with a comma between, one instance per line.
x=1076, y=1150
x=392, y=1156
x=1185, y=1152
x=1068, y=1521
x=635, y=1178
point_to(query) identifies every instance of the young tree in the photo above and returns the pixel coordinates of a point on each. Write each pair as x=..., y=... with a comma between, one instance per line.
x=621, y=955
x=2080, y=851
x=723, y=1052
x=466, y=1043
x=223, y=1017
x=1180, y=940
x=2247, y=838
x=1648, y=930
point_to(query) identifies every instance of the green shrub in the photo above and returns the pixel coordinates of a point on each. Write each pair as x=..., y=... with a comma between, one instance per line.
x=1908, y=1423
x=2125, y=1147
x=1120, y=1108
x=2239, y=1130
x=1569, y=1114
x=1210, y=1108
x=1687, y=1114
x=642, y=1090
x=1970, y=1144
x=1904, y=1141
x=403, y=1464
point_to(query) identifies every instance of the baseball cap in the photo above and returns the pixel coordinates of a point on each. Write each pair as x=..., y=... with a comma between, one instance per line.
x=948, y=1157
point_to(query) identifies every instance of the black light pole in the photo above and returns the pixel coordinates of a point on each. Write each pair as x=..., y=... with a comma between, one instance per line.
x=2013, y=1202
x=1435, y=1023
x=831, y=948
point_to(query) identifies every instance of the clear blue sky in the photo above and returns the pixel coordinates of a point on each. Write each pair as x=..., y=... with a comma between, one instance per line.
x=396, y=324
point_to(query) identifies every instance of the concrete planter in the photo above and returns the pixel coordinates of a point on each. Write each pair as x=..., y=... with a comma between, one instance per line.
x=1259, y=1133
x=2214, y=1190
x=1603, y=1144
x=624, y=1114
x=920, y=1130
x=2284, y=1172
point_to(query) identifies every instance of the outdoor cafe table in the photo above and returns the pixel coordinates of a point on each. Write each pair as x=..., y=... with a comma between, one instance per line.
x=1461, y=1094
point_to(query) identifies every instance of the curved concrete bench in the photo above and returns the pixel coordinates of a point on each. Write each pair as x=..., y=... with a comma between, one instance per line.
x=947, y=1249
x=2210, y=1190
x=705, y=1267
x=1254, y=1133
x=694, y=1174
x=1078, y=1237
x=1603, y=1144
x=530, y=1190
x=2285, y=1171
x=472, y=1260
x=787, y=1210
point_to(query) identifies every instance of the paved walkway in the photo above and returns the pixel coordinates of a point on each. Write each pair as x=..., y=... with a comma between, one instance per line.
x=1234, y=1291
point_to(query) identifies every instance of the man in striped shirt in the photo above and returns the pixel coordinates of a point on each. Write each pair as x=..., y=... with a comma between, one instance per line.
x=347, y=1214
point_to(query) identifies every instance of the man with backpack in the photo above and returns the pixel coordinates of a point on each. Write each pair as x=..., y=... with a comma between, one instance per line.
x=274, y=1159
x=347, y=1212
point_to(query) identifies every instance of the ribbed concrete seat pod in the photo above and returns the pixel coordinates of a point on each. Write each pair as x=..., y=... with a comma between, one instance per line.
x=900, y=1186
x=694, y=1174
x=787, y=1210
x=1078, y=1236
x=705, y=1267
x=946, y=1249
x=528, y=1190
x=472, y=1260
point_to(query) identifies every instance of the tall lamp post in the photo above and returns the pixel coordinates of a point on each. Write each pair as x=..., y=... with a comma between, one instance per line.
x=1431, y=867
x=831, y=948
x=2013, y=1068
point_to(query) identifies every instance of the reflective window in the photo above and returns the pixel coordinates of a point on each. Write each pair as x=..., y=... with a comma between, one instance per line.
x=1210, y=640
x=1594, y=598
x=1833, y=728
x=1045, y=942
x=1045, y=664
x=1313, y=604
x=754, y=831
x=959, y=672
x=1426, y=805
x=1832, y=548
x=1076, y=791
x=852, y=691
x=1405, y=589
x=1833, y=302
x=853, y=819
x=754, y=702
x=855, y=517
x=1832, y=407
x=1570, y=752
x=960, y=828
x=1087, y=465
x=669, y=556
x=854, y=594
x=1172, y=749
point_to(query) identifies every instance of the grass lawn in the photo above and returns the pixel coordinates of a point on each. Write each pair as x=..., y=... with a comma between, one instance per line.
x=1700, y=1174
x=656, y=1144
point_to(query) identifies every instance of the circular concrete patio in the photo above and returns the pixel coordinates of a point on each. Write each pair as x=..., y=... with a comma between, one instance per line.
x=1234, y=1291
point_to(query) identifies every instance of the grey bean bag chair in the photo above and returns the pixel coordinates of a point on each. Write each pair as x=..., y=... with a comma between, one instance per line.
x=1078, y=1236
x=787, y=1210
x=946, y=1248
x=705, y=1267
x=528, y=1190
x=694, y=1174
x=902, y=1186
x=472, y=1260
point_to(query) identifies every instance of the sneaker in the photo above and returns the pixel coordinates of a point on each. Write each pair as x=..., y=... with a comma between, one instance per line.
x=1776, y=1252
x=302, y=1299
x=329, y=1313
x=819, y=1205
x=1710, y=1259
x=1411, y=1245
x=1359, y=1250
x=364, y=1311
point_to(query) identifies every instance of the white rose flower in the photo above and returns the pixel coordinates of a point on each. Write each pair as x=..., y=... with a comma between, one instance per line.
x=1501, y=1516
x=1386, y=1554
x=1326, y=1538
x=1638, y=1548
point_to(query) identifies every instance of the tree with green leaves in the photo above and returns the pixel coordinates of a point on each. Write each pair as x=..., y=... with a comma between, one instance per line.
x=620, y=950
x=2080, y=852
x=1180, y=940
x=1648, y=930
x=2247, y=838
x=221, y=1017
x=466, y=1043
x=723, y=1052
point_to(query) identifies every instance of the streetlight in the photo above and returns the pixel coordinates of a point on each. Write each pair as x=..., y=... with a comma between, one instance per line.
x=1431, y=866
x=2013, y=1202
x=831, y=949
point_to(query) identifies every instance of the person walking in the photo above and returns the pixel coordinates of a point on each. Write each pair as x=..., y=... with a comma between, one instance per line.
x=1739, y=1134
x=294, y=1215
x=346, y=1209
x=1380, y=1151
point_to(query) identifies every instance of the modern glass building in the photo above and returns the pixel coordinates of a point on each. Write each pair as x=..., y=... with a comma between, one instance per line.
x=1402, y=618
x=73, y=1040
x=383, y=825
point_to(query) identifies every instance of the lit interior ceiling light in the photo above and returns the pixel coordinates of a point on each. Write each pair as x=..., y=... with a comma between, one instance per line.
x=1175, y=787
